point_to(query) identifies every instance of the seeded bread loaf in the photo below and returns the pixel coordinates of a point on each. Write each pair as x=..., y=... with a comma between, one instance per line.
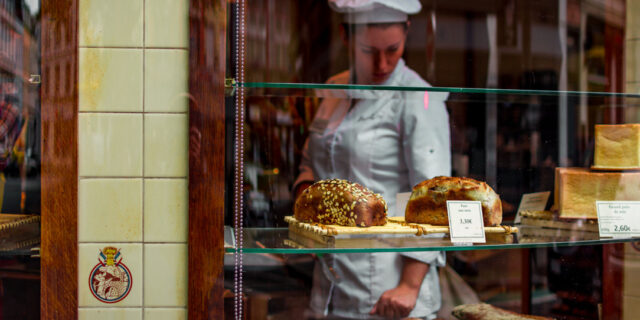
x=340, y=202
x=483, y=311
x=428, y=201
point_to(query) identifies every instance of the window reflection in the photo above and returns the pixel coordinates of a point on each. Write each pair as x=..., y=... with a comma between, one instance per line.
x=19, y=106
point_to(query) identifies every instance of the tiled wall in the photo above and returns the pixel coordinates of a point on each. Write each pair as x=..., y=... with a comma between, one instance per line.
x=133, y=163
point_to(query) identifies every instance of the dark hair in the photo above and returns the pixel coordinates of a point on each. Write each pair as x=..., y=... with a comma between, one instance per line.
x=350, y=28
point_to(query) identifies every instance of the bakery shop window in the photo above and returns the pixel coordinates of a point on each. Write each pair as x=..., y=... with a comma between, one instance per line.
x=21, y=155
x=523, y=103
x=513, y=142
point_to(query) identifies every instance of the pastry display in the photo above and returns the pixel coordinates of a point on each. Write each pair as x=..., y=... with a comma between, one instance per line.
x=578, y=189
x=617, y=147
x=483, y=311
x=428, y=201
x=340, y=202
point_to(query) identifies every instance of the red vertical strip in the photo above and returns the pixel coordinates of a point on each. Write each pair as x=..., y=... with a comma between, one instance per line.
x=59, y=175
x=208, y=21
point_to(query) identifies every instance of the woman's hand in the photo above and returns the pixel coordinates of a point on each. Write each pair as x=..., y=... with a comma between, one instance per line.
x=397, y=302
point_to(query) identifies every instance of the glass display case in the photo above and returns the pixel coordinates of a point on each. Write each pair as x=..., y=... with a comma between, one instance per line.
x=525, y=97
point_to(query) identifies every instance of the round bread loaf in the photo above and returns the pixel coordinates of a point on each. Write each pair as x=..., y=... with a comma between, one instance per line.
x=340, y=202
x=428, y=201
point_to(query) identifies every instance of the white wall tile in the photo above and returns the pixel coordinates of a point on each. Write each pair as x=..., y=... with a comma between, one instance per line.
x=109, y=145
x=109, y=210
x=110, y=79
x=167, y=23
x=88, y=255
x=165, y=313
x=165, y=210
x=165, y=145
x=110, y=314
x=165, y=279
x=113, y=23
x=166, y=86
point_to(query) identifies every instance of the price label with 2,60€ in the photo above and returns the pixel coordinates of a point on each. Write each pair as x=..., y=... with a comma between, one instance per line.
x=618, y=218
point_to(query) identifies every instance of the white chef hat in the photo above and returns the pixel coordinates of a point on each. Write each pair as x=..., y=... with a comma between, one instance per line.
x=375, y=11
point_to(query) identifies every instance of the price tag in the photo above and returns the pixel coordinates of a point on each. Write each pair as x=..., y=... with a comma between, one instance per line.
x=465, y=221
x=618, y=218
x=532, y=202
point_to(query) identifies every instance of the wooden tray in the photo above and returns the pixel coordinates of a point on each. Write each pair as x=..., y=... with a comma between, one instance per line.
x=427, y=228
x=546, y=219
x=394, y=226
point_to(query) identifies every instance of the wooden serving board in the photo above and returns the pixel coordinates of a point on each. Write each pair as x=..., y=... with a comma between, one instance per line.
x=427, y=228
x=394, y=226
x=547, y=219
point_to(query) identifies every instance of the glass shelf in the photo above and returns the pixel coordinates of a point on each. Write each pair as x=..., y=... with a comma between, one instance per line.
x=280, y=240
x=302, y=89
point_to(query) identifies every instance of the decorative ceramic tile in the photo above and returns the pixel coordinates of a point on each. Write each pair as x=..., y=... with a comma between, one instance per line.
x=166, y=145
x=110, y=314
x=165, y=210
x=110, y=79
x=109, y=145
x=109, y=210
x=110, y=275
x=167, y=23
x=113, y=23
x=165, y=279
x=166, y=80
x=632, y=60
x=165, y=313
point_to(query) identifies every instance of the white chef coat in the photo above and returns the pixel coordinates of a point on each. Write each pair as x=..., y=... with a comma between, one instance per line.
x=387, y=141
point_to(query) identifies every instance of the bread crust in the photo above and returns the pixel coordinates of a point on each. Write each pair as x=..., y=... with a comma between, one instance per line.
x=428, y=201
x=340, y=202
x=617, y=146
x=578, y=189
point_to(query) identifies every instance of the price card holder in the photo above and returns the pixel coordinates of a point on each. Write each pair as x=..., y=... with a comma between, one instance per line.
x=618, y=219
x=465, y=222
x=532, y=202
